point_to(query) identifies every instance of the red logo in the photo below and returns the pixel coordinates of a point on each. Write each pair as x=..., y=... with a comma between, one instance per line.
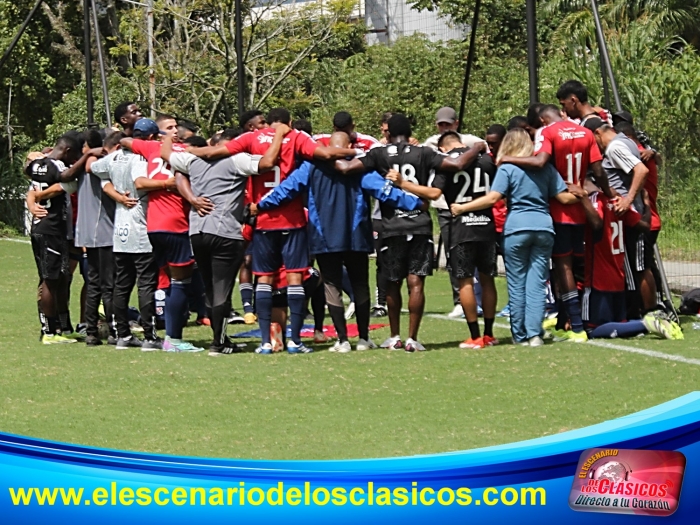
x=643, y=482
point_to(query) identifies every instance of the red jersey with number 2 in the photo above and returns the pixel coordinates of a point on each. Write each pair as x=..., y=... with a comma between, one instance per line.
x=573, y=149
x=295, y=145
x=605, y=248
x=167, y=211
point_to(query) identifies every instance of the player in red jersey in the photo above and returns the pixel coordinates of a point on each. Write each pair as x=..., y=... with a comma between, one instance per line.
x=604, y=310
x=573, y=151
x=280, y=234
x=251, y=120
x=342, y=121
x=167, y=223
x=573, y=97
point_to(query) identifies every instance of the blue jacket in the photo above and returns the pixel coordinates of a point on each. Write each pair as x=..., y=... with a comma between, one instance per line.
x=339, y=207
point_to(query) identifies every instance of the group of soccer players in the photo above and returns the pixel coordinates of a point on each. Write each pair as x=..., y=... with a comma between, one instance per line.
x=180, y=217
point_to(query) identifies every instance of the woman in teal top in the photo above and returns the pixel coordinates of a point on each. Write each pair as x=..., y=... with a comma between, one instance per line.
x=528, y=233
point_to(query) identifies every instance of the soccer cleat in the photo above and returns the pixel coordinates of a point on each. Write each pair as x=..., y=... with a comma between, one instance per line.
x=365, y=344
x=236, y=318
x=151, y=345
x=300, y=348
x=111, y=340
x=570, y=335
x=393, y=343
x=250, y=318
x=549, y=324
x=474, y=344
x=81, y=329
x=535, y=341
x=350, y=311
x=276, y=338
x=177, y=345
x=320, y=337
x=378, y=311
x=228, y=349
x=479, y=311
x=414, y=346
x=76, y=336
x=264, y=349
x=657, y=323
x=56, y=339
x=135, y=326
x=456, y=312
x=124, y=343
x=505, y=312
x=204, y=321
x=489, y=340
x=93, y=340
x=341, y=348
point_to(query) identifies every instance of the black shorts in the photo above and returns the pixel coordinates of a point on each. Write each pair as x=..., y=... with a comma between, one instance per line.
x=171, y=249
x=639, y=249
x=599, y=308
x=52, y=256
x=467, y=256
x=568, y=240
x=407, y=254
x=273, y=248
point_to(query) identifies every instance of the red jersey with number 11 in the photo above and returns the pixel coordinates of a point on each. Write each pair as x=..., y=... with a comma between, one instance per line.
x=167, y=211
x=605, y=248
x=573, y=149
x=296, y=144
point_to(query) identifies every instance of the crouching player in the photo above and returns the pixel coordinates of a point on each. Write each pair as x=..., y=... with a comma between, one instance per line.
x=603, y=305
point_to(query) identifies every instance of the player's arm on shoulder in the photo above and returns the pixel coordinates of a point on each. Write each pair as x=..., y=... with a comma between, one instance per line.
x=220, y=151
x=328, y=153
x=76, y=169
x=465, y=159
x=269, y=159
x=536, y=162
x=128, y=143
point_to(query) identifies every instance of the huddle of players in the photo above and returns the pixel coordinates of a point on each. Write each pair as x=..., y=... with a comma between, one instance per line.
x=165, y=229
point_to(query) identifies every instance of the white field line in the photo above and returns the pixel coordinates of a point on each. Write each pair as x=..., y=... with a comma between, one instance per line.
x=23, y=241
x=602, y=344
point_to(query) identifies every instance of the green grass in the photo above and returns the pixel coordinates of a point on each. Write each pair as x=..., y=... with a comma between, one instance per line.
x=323, y=405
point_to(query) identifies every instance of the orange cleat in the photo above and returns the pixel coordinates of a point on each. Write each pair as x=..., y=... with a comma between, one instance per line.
x=490, y=341
x=474, y=344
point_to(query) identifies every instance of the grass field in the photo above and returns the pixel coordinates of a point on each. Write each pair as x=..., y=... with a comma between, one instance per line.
x=323, y=405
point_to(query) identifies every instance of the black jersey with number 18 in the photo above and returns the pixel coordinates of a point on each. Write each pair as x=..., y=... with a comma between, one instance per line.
x=44, y=173
x=415, y=164
x=464, y=186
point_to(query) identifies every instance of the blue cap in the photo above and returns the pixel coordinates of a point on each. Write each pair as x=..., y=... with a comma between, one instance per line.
x=147, y=127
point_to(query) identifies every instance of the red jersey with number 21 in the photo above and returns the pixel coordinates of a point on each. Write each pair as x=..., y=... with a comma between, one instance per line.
x=605, y=248
x=573, y=149
x=296, y=144
x=167, y=211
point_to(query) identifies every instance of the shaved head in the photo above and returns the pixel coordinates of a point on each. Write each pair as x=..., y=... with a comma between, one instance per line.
x=339, y=139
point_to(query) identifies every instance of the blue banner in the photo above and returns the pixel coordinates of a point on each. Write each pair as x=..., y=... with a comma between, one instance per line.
x=525, y=482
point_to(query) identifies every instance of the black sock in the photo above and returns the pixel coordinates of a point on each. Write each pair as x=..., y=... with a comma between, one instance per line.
x=474, y=329
x=488, y=326
x=66, y=325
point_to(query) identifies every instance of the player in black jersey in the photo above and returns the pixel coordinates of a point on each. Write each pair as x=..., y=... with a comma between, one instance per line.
x=471, y=241
x=49, y=180
x=407, y=237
